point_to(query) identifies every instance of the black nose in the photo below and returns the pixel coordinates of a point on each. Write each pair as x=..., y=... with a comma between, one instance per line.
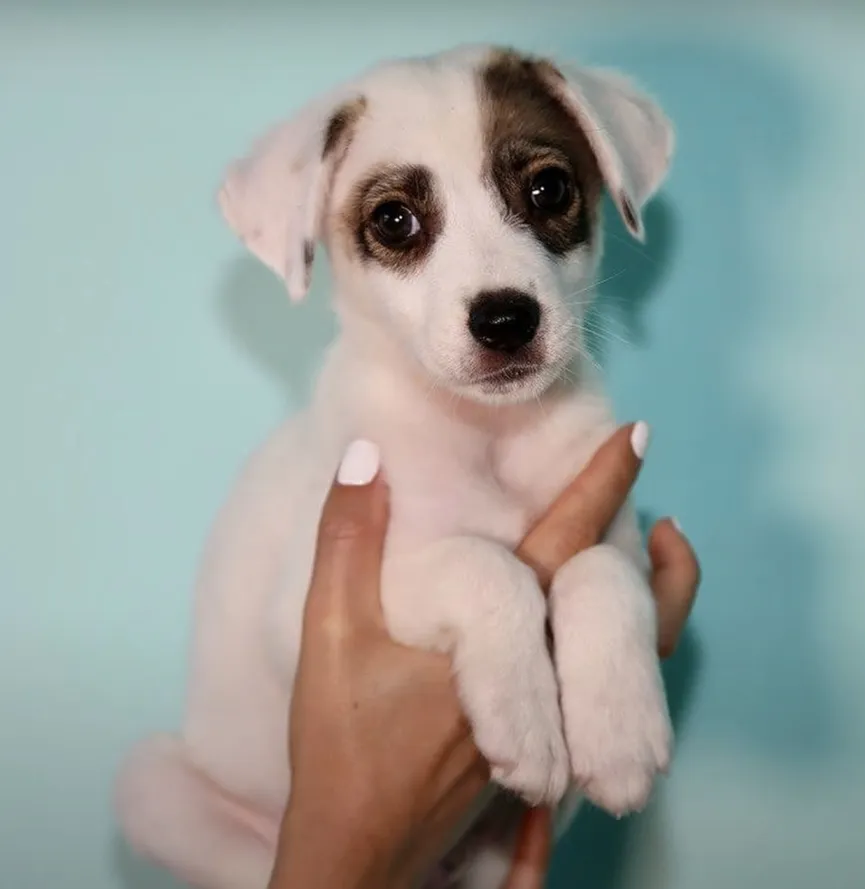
x=504, y=320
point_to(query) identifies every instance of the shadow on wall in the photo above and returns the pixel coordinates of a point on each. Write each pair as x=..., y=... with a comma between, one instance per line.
x=763, y=688
x=630, y=277
x=286, y=341
x=133, y=873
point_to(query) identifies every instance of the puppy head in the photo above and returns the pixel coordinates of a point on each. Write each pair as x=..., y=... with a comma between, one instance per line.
x=459, y=199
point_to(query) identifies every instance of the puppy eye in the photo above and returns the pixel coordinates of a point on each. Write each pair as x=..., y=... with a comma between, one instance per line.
x=551, y=190
x=395, y=225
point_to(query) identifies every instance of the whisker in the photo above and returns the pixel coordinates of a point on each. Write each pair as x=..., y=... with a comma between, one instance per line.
x=599, y=330
x=609, y=278
x=595, y=284
x=570, y=374
x=629, y=243
x=452, y=404
x=430, y=390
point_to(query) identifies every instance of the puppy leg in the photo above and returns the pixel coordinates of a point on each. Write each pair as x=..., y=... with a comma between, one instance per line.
x=173, y=815
x=614, y=705
x=489, y=862
x=482, y=857
x=474, y=599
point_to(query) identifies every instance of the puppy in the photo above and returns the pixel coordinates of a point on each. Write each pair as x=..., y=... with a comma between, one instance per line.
x=458, y=197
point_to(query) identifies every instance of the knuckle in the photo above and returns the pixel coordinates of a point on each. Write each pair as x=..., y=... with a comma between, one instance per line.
x=343, y=528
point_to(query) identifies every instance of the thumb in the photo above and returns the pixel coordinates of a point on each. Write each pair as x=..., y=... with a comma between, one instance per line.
x=351, y=533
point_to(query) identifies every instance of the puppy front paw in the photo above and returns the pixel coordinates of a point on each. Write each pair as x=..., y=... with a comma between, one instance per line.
x=614, y=706
x=476, y=600
x=510, y=693
x=519, y=732
x=619, y=737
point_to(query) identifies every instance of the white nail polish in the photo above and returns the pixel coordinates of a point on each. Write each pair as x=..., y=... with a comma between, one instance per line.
x=360, y=464
x=640, y=439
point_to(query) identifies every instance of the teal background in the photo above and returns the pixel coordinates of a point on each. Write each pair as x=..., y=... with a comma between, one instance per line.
x=142, y=356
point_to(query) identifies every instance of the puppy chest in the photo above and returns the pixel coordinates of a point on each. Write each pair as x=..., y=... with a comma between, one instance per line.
x=430, y=507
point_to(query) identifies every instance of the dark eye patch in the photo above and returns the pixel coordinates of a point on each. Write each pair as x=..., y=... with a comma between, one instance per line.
x=378, y=211
x=528, y=131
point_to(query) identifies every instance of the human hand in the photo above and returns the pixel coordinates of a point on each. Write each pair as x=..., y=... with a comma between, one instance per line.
x=383, y=765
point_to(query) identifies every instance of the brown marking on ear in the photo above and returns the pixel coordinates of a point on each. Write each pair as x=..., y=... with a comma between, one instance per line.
x=337, y=138
x=410, y=185
x=527, y=127
x=629, y=214
x=339, y=128
x=308, y=259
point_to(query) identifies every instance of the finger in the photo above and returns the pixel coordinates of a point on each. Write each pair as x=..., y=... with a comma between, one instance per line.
x=675, y=580
x=351, y=534
x=533, y=849
x=584, y=510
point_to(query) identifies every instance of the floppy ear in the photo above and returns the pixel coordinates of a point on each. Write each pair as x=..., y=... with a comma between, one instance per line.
x=274, y=198
x=631, y=136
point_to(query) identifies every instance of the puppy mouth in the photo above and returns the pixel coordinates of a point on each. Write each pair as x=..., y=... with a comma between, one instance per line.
x=508, y=376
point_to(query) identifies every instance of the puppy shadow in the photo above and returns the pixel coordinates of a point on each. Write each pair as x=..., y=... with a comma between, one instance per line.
x=764, y=691
x=133, y=873
x=285, y=341
x=630, y=276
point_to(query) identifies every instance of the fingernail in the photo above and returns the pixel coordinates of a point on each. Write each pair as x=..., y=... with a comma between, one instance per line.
x=640, y=439
x=675, y=523
x=360, y=464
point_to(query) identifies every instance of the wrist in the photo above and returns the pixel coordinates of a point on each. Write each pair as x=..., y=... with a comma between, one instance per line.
x=320, y=848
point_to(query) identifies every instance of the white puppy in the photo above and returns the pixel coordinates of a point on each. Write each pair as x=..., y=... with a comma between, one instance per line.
x=458, y=197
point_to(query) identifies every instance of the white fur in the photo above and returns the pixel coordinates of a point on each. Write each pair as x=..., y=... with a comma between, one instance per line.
x=470, y=467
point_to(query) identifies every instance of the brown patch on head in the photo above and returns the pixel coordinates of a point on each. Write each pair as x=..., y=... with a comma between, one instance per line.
x=339, y=128
x=529, y=129
x=393, y=199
